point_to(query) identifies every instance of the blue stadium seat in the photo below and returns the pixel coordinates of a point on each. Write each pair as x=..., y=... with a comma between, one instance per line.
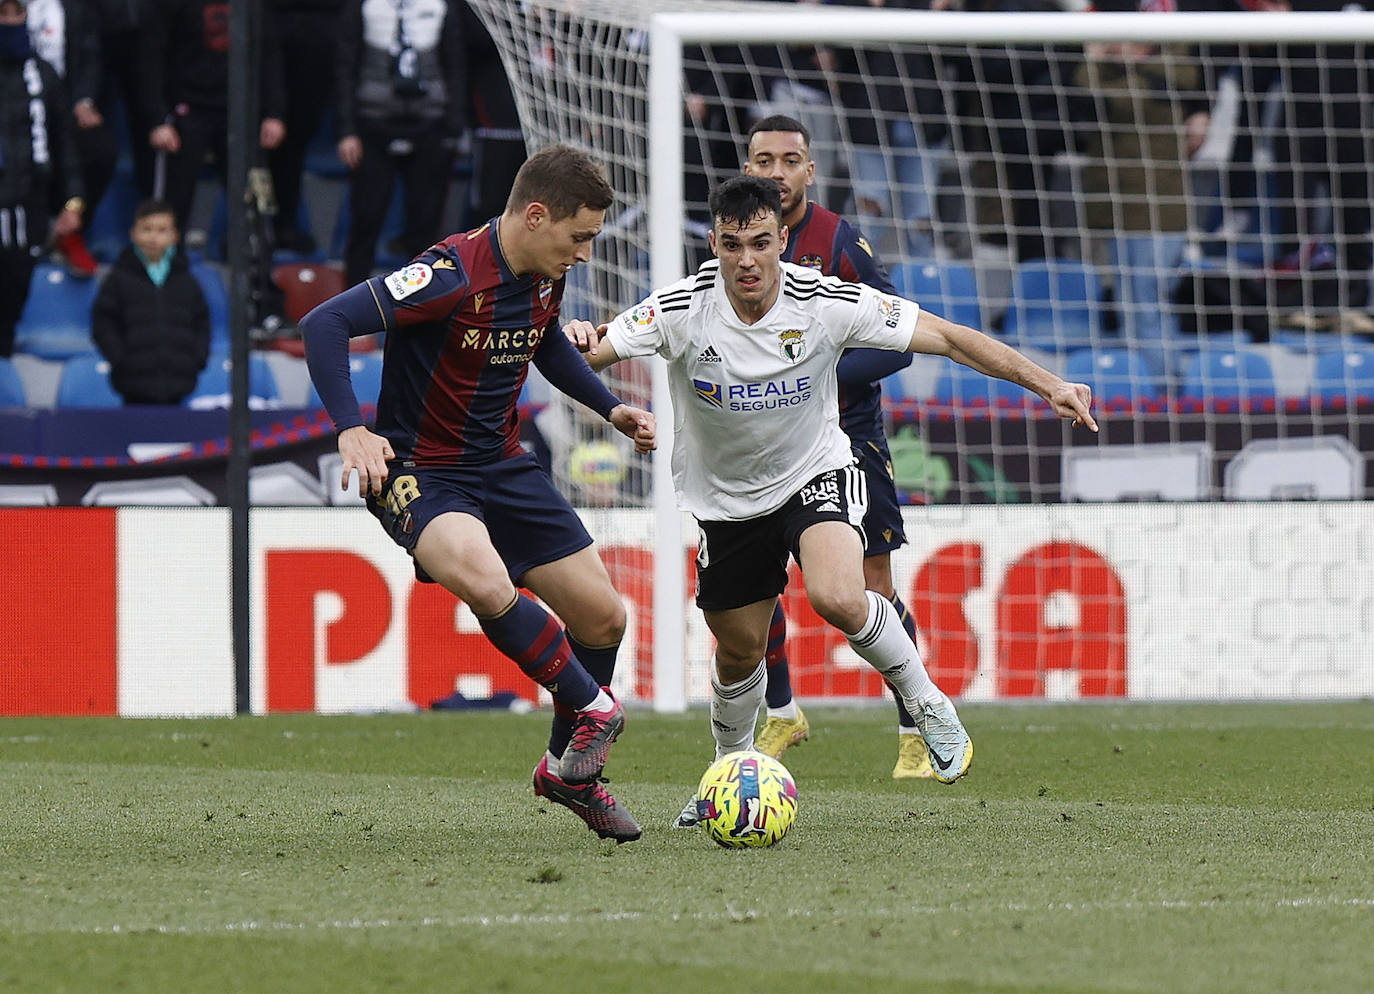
x=11, y=386
x=217, y=299
x=56, y=323
x=958, y=384
x=1230, y=374
x=1347, y=372
x=1113, y=373
x=1056, y=305
x=212, y=389
x=949, y=289
x=85, y=382
x=365, y=369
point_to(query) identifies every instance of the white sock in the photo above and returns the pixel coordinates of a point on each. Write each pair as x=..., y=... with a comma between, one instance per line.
x=788, y=710
x=554, y=764
x=883, y=643
x=735, y=709
x=601, y=702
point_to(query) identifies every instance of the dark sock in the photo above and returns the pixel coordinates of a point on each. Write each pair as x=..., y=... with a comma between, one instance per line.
x=600, y=665
x=779, y=690
x=909, y=626
x=529, y=635
x=599, y=661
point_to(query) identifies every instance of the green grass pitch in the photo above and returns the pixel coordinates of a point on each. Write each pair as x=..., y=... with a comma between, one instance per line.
x=1092, y=848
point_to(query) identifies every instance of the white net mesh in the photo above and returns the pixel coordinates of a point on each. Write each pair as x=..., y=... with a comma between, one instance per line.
x=1174, y=210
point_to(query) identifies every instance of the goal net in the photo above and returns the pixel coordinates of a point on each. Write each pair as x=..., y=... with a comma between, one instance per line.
x=1174, y=208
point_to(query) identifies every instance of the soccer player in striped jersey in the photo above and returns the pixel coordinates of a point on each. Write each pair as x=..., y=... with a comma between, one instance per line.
x=444, y=470
x=752, y=344
x=779, y=149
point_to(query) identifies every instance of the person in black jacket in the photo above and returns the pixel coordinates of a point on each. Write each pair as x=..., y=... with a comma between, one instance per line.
x=150, y=319
x=184, y=48
x=402, y=91
x=38, y=164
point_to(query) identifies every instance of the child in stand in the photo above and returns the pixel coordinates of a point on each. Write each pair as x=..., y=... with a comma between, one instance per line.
x=150, y=319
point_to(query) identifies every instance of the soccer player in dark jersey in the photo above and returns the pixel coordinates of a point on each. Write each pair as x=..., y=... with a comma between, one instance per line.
x=780, y=149
x=444, y=470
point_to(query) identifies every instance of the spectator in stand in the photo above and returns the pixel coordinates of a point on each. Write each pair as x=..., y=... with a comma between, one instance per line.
x=38, y=164
x=184, y=49
x=66, y=36
x=894, y=116
x=402, y=89
x=1018, y=105
x=498, y=146
x=1152, y=118
x=150, y=319
x=120, y=22
x=309, y=39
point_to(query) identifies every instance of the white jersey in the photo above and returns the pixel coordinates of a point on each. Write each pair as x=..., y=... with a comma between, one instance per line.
x=756, y=408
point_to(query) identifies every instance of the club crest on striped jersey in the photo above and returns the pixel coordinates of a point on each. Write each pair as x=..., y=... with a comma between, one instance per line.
x=811, y=261
x=402, y=283
x=792, y=344
x=545, y=291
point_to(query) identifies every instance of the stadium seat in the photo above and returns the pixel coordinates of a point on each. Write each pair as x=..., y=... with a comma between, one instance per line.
x=1347, y=373
x=365, y=369
x=213, y=388
x=1229, y=374
x=85, y=382
x=11, y=386
x=56, y=323
x=217, y=299
x=1056, y=305
x=306, y=284
x=1113, y=373
x=958, y=384
x=949, y=289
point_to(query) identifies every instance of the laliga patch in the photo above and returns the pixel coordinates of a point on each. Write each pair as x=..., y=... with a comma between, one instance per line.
x=404, y=282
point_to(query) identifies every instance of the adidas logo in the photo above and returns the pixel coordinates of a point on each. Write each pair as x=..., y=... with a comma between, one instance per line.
x=709, y=355
x=829, y=507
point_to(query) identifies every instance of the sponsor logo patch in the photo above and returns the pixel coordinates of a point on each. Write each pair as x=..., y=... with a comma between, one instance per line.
x=412, y=278
x=709, y=392
x=709, y=354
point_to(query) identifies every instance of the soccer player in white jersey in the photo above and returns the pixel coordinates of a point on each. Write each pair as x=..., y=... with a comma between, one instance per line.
x=759, y=458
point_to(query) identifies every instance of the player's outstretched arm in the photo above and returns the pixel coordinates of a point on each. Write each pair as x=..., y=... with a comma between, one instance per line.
x=366, y=452
x=935, y=335
x=591, y=341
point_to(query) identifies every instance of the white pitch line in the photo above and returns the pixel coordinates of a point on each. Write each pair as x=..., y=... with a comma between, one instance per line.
x=255, y=927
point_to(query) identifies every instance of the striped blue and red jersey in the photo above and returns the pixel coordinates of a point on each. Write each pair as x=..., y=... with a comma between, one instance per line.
x=823, y=240
x=462, y=330
x=458, y=349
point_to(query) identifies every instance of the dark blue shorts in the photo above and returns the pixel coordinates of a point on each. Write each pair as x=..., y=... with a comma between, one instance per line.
x=883, y=523
x=529, y=521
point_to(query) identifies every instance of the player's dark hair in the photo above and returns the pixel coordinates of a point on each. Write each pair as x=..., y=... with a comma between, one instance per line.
x=740, y=199
x=562, y=178
x=780, y=122
x=153, y=206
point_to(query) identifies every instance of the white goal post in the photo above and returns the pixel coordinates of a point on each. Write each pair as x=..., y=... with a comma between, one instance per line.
x=613, y=77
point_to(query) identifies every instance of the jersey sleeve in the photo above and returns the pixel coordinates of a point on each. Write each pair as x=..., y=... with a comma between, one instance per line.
x=881, y=321
x=858, y=263
x=642, y=330
x=428, y=289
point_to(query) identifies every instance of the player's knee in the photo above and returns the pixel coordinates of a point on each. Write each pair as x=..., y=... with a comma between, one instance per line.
x=601, y=622
x=844, y=609
x=736, y=662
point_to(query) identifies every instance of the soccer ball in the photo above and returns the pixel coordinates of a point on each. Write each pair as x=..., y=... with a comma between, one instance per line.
x=746, y=799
